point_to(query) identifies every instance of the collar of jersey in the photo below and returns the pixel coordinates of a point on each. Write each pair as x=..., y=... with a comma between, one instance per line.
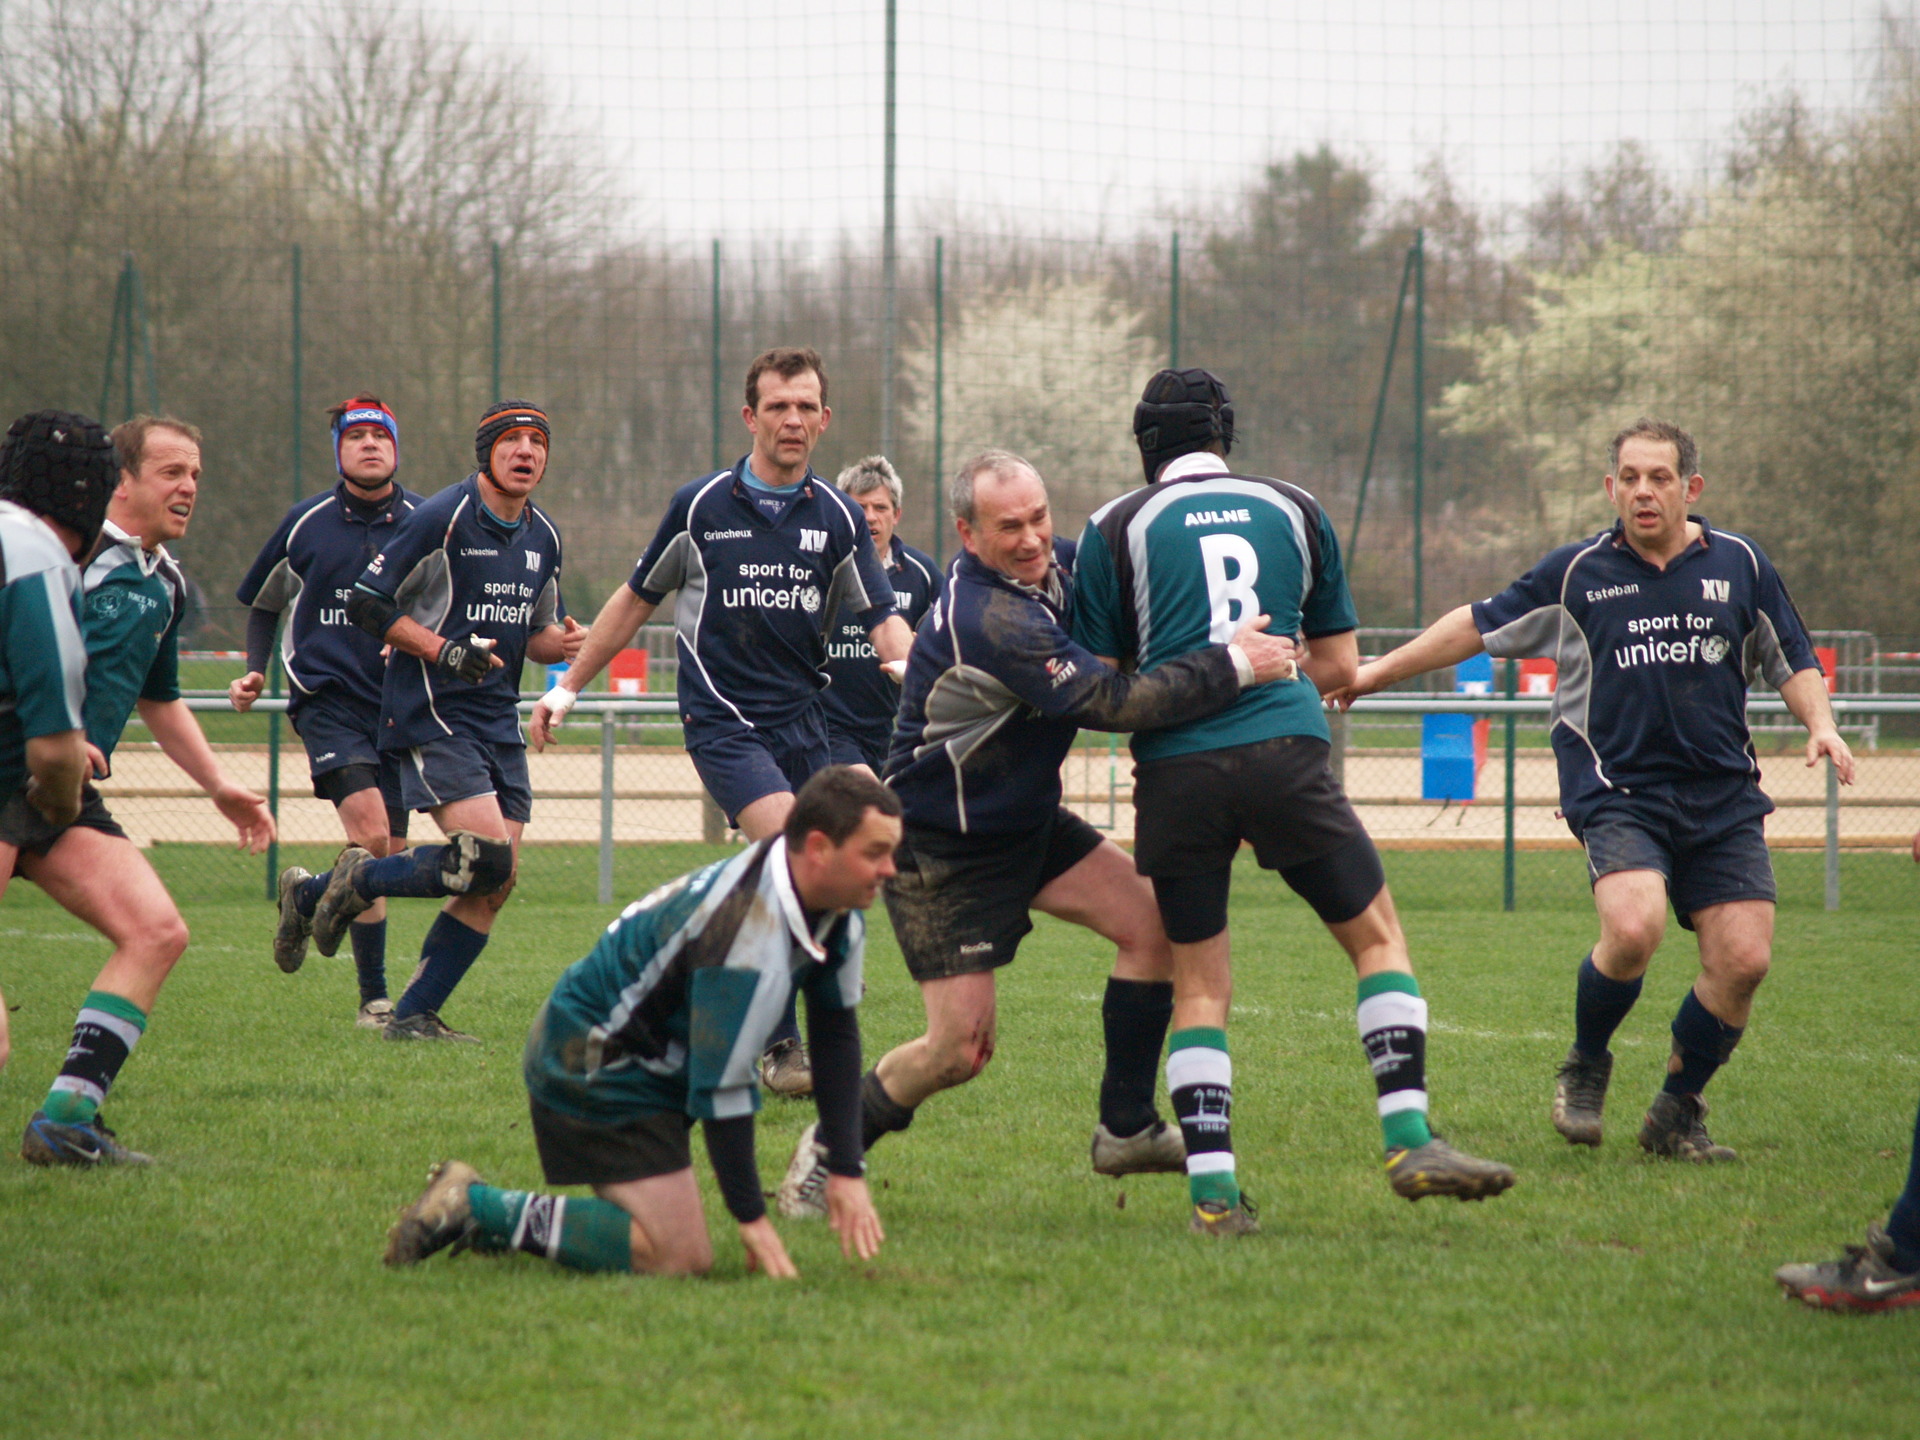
x=744, y=493
x=385, y=516
x=490, y=521
x=147, y=560
x=791, y=909
x=1618, y=535
x=1052, y=591
x=1197, y=462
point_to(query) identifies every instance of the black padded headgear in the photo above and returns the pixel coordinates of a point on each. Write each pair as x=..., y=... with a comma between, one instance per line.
x=60, y=466
x=500, y=418
x=1179, y=412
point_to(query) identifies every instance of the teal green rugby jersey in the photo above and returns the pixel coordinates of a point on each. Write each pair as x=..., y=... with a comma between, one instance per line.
x=43, y=663
x=1182, y=563
x=677, y=1001
x=130, y=613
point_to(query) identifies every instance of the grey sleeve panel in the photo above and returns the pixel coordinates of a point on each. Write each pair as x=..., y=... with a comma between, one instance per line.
x=1763, y=655
x=1534, y=634
x=546, y=609
x=846, y=591
x=426, y=594
x=669, y=572
x=280, y=589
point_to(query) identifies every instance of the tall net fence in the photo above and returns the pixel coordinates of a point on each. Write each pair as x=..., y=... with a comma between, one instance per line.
x=1439, y=253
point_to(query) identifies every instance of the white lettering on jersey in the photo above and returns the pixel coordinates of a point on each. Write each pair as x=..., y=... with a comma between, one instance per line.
x=814, y=540
x=1612, y=592
x=1230, y=595
x=728, y=535
x=1717, y=589
x=1220, y=517
x=533, y=559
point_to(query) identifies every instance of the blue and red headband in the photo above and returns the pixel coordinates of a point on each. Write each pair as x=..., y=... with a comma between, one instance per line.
x=364, y=413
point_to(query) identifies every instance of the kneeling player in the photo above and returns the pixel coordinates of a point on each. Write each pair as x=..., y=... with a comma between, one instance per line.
x=661, y=1026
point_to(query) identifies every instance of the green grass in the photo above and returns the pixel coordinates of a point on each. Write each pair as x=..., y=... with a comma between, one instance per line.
x=235, y=1288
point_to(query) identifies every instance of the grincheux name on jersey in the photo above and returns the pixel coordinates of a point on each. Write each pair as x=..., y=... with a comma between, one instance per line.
x=1698, y=646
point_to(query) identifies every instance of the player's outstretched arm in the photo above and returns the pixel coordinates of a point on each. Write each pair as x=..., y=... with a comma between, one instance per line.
x=1448, y=641
x=182, y=741
x=56, y=769
x=765, y=1252
x=851, y=1214
x=612, y=630
x=1806, y=696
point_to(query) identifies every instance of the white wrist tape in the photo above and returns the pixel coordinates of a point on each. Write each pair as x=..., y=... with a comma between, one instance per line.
x=1242, y=666
x=558, y=701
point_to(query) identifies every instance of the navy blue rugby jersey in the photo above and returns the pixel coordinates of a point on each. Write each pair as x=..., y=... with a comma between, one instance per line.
x=1654, y=664
x=995, y=690
x=861, y=700
x=759, y=596
x=452, y=565
x=309, y=566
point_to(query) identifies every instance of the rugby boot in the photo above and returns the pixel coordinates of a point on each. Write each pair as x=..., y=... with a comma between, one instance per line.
x=290, y=939
x=786, y=1069
x=374, y=1015
x=1579, y=1095
x=340, y=902
x=1216, y=1217
x=803, y=1190
x=1156, y=1150
x=1436, y=1168
x=48, y=1142
x=1865, y=1278
x=425, y=1025
x=441, y=1216
x=1676, y=1125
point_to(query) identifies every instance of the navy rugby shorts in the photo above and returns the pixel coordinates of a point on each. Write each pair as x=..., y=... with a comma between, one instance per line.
x=461, y=768
x=739, y=766
x=27, y=830
x=344, y=759
x=1706, y=837
x=857, y=747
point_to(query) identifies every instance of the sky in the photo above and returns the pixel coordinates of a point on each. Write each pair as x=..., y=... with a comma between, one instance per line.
x=736, y=117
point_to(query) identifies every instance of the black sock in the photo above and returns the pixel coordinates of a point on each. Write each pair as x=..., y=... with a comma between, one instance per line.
x=789, y=1026
x=1903, y=1225
x=370, y=957
x=880, y=1113
x=1135, y=1014
x=1600, y=1004
x=1703, y=1042
x=416, y=874
x=446, y=955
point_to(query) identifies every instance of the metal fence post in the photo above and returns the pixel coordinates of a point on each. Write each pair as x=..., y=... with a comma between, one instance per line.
x=1833, y=837
x=606, y=807
x=1506, y=861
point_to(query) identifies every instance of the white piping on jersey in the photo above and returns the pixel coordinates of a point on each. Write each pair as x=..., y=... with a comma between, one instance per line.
x=1763, y=654
x=921, y=568
x=1582, y=682
x=296, y=586
x=698, y=567
x=426, y=673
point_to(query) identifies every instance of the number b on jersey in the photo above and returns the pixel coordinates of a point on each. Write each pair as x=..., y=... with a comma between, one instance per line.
x=1232, y=568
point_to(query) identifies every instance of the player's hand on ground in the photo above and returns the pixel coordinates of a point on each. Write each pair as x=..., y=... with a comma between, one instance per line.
x=1273, y=657
x=851, y=1214
x=243, y=692
x=1829, y=744
x=249, y=815
x=572, y=636
x=765, y=1253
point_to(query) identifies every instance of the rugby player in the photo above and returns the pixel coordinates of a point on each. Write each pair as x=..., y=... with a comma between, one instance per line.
x=767, y=556
x=659, y=1026
x=334, y=669
x=466, y=587
x=132, y=603
x=1164, y=571
x=1659, y=625
x=861, y=701
x=995, y=691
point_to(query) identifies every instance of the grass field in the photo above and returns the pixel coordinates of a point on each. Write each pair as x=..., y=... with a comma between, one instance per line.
x=235, y=1288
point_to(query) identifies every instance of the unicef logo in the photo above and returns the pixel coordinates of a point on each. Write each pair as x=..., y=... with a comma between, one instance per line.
x=1714, y=649
x=810, y=600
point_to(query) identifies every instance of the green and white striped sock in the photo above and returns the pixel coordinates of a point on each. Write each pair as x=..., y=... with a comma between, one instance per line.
x=1393, y=1029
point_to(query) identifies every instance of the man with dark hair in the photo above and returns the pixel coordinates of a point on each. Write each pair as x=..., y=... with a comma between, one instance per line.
x=334, y=669
x=132, y=593
x=466, y=588
x=995, y=692
x=660, y=1026
x=861, y=701
x=767, y=556
x=1659, y=625
x=1161, y=572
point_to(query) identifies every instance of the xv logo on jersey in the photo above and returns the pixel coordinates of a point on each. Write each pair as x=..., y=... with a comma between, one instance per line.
x=813, y=540
x=533, y=559
x=1717, y=590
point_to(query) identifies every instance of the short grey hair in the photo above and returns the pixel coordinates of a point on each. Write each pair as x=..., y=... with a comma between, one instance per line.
x=1686, y=453
x=987, y=462
x=872, y=472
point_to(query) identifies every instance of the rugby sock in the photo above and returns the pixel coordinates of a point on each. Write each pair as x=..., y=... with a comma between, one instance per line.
x=412, y=875
x=446, y=955
x=1135, y=1014
x=1393, y=1031
x=1200, y=1083
x=370, y=957
x=1599, y=1005
x=104, y=1034
x=1702, y=1043
x=310, y=891
x=880, y=1113
x=579, y=1233
x=1903, y=1225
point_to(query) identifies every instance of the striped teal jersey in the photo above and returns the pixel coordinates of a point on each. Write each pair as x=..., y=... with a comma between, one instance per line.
x=1182, y=563
x=131, y=609
x=43, y=662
